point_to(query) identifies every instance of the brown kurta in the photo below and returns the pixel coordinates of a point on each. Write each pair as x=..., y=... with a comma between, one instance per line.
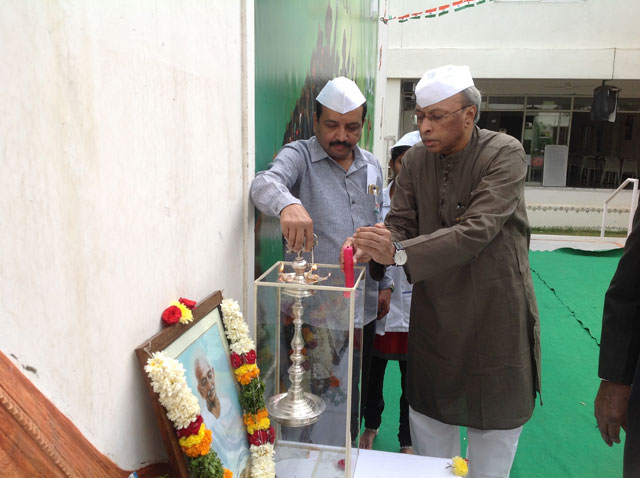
x=474, y=336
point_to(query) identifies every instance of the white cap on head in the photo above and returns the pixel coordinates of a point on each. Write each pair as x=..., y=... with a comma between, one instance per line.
x=341, y=95
x=408, y=139
x=442, y=83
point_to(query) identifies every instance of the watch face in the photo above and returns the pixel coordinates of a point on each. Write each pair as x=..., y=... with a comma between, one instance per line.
x=400, y=257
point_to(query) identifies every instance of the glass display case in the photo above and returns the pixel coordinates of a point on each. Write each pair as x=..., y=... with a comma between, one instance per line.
x=309, y=335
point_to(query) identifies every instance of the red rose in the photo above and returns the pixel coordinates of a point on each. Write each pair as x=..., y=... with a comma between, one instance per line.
x=259, y=437
x=189, y=304
x=192, y=429
x=250, y=357
x=171, y=314
x=236, y=360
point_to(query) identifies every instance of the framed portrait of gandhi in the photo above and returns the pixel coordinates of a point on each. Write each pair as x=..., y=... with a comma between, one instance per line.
x=202, y=348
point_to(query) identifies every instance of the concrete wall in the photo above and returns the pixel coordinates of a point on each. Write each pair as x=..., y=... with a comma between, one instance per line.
x=126, y=154
x=520, y=39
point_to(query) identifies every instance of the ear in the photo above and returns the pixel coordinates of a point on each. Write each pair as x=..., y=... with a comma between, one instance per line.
x=473, y=110
x=470, y=114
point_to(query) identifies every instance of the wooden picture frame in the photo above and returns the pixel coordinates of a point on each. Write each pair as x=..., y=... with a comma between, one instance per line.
x=202, y=348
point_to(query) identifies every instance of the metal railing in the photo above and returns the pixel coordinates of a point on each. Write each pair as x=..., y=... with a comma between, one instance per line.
x=634, y=203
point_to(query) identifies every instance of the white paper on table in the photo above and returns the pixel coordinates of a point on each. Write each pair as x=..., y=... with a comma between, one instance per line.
x=400, y=465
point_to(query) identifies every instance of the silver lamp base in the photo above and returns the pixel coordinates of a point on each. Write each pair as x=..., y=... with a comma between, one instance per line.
x=295, y=413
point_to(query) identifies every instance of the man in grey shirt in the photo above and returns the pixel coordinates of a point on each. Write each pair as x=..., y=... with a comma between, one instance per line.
x=329, y=186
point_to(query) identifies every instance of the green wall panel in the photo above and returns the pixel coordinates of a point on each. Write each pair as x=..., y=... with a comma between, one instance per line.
x=299, y=46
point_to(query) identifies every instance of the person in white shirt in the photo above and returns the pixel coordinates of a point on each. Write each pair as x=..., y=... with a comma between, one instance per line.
x=391, y=339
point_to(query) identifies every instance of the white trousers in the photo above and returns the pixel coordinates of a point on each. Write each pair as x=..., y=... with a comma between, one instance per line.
x=490, y=452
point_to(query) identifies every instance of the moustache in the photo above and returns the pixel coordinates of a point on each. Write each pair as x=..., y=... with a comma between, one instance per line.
x=346, y=144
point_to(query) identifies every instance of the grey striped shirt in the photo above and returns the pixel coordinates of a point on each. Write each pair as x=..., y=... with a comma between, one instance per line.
x=337, y=200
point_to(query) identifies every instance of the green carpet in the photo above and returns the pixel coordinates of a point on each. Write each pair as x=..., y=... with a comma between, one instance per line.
x=561, y=440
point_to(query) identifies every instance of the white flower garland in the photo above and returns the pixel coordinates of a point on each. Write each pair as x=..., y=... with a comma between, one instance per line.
x=262, y=463
x=169, y=382
x=262, y=457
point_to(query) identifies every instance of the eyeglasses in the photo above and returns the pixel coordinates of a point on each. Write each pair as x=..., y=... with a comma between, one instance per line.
x=435, y=118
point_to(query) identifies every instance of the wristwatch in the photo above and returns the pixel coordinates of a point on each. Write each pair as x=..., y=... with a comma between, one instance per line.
x=400, y=256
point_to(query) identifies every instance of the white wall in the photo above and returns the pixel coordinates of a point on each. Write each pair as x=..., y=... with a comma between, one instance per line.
x=558, y=207
x=123, y=188
x=387, y=98
x=380, y=146
x=520, y=39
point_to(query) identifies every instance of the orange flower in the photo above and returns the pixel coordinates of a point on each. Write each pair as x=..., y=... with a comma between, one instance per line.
x=247, y=377
x=246, y=373
x=259, y=421
x=249, y=419
x=227, y=474
x=201, y=448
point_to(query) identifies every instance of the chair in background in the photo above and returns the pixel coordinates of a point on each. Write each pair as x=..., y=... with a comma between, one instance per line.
x=535, y=171
x=629, y=168
x=610, y=172
x=573, y=176
x=591, y=171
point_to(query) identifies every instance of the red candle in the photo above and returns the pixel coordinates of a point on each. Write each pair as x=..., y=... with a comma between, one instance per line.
x=347, y=255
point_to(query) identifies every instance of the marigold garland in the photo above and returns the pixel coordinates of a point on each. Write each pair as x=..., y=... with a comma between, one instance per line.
x=201, y=448
x=195, y=439
x=260, y=433
x=168, y=380
x=257, y=421
x=245, y=373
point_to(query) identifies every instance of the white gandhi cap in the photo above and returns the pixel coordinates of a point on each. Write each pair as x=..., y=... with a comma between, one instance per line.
x=408, y=139
x=442, y=83
x=341, y=95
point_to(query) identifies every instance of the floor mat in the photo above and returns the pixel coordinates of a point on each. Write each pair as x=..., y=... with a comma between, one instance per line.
x=578, y=279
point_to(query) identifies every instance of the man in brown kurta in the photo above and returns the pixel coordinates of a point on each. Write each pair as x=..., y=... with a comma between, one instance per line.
x=458, y=224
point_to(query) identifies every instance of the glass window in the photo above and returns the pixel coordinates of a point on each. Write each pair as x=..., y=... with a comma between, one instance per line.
x=542, y=129
x=548, y=102
x=408, y=97
x=506, y=103
x=628, y=104
x=509, y=122
x=582, y=103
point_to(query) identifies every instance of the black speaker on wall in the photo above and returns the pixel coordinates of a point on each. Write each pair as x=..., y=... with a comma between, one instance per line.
x=605, y=101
